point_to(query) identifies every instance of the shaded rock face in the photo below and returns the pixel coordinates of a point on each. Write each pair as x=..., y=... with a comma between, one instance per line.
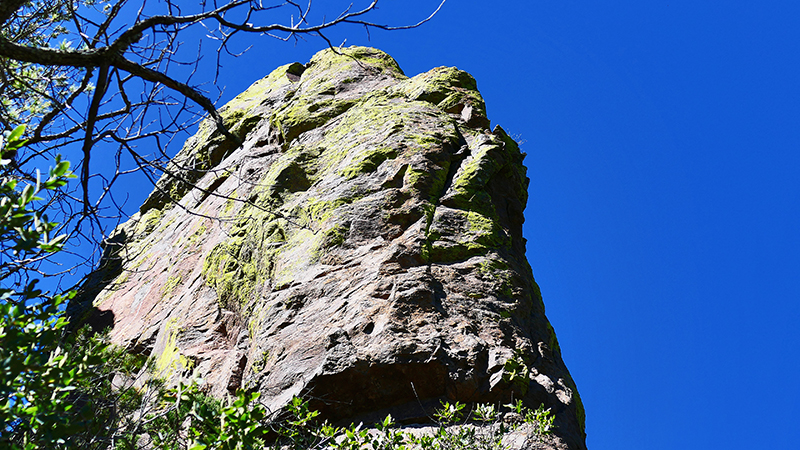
x=362, y=248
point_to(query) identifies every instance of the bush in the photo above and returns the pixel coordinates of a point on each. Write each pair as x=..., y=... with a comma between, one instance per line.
x=38, y=373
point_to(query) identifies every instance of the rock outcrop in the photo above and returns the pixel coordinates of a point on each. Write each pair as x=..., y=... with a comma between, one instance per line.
x=362, y=248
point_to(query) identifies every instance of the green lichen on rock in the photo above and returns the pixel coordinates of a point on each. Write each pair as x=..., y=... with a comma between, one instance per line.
x=194, y=238
x=334, y=237
x=451, y=90
x=445, y=87
x=148, y=222
x=208, y=147
x=477, y=170
x=232, y=268
x=456, y=235
x=327, y=63
x=315, y=211
x=299, y=117
x=268, y=251
x=273, y=236
x=491, y=266
x=471, y=224
x=498, y=271
x=294, y=171
x=171, y=361
x=315, y=103
x=377, y=128
x=371, y=129
x=261, y=89
x=486, y=231
x=170, y=285
x=260, y=362
x=491, y=155
x=367, y=162
x=430, y=180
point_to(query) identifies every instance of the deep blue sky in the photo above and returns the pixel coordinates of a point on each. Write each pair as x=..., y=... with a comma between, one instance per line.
x=662, y=225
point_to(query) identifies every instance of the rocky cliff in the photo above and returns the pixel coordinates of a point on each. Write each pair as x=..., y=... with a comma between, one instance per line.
x=362, y=248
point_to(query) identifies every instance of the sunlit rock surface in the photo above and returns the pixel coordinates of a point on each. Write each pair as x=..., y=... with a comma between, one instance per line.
x=363, y=249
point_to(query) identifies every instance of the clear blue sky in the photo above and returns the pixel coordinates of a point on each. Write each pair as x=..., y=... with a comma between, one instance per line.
x=663, y=144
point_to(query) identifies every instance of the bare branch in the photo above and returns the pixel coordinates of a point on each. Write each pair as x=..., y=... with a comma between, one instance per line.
x=102, y=82
x=191, y=93
x=8, y=8
x=134, y=51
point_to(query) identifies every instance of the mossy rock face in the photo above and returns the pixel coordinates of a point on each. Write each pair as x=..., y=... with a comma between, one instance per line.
x=366, y=235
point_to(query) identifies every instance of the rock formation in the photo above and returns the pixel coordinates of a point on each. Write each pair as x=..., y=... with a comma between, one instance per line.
x=362, y=248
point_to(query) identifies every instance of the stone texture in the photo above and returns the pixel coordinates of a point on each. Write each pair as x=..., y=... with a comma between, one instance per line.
x=363, y=248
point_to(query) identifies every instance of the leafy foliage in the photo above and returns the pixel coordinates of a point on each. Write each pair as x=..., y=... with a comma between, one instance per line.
x=55, y=387
x=482, y=429
x=38, y=374
x=25, y=232
x=29, y=90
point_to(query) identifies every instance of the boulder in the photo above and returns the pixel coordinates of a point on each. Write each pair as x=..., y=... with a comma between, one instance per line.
x=362, y=248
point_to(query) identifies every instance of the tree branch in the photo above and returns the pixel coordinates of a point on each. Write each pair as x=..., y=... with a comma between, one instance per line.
x=88, y=142
x=8, y=8
x=188, y=91
x=53, y=57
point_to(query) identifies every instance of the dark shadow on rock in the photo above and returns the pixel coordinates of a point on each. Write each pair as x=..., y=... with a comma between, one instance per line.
x=80, y=310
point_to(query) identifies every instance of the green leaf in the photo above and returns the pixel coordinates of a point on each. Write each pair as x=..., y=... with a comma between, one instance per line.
x=16, y=133
x=27, y=195
x=60, y=169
